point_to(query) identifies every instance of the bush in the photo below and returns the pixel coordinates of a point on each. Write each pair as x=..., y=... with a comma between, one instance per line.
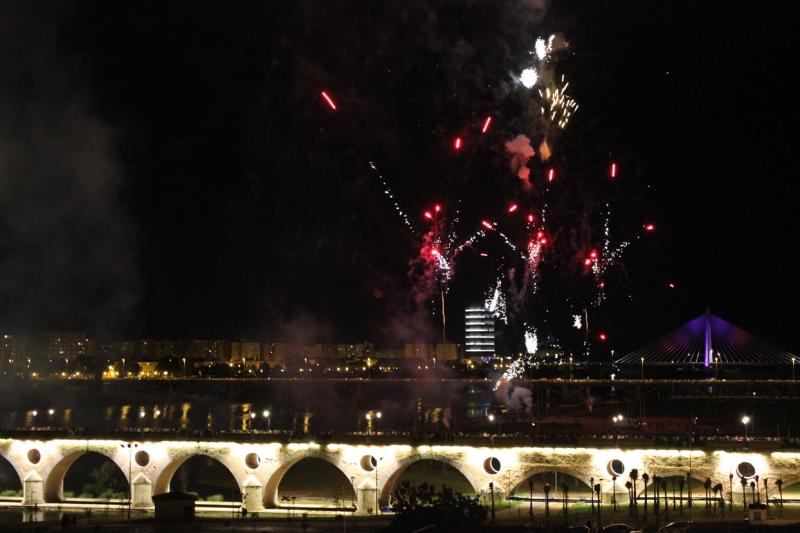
x=10, y=493
x=215, y=498
x=85, y=495
x=423, y=506
x=69, y=494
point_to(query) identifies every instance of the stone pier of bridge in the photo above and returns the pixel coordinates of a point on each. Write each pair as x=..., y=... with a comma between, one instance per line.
x=374, y=470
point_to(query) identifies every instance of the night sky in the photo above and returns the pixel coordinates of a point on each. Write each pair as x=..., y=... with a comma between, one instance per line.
x=169, y=169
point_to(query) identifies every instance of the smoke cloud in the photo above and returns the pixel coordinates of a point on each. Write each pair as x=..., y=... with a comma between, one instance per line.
x=521, y=150
x=67, y=250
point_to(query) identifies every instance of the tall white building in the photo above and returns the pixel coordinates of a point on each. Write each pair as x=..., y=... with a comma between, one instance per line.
x=479, y=332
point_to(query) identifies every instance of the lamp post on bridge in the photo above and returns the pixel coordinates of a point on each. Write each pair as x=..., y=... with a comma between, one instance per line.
x=130, y=448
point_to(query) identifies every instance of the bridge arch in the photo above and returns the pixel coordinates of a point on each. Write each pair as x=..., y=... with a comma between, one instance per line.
x=577, y=483
x=165, y=475
x=274, y=481
x=10, y=478
x=54, y=479
x=389, y=484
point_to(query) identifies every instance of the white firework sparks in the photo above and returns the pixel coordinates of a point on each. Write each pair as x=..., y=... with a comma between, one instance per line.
x=529, y=77
x=531, y=341
x=497, y=303
x=577, y=323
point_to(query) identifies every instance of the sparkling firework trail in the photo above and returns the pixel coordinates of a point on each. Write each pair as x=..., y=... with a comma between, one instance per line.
x=610, y=256
x=486, y=124
x=388, y=192
x=329, y=100
x=558, y=107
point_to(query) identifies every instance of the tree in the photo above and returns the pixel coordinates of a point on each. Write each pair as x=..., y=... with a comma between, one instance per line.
x=779, y=483
x=681, y=483
x=565, y=492
x=107, y=484
x=546, y=489
x=629, y=486
x=707, y=487
x=744, y=491
x=422, y=506
x=645, y=478
x=634, y=475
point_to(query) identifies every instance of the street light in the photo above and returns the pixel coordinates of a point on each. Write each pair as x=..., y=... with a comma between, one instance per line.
x=793, y=361
x=570, y=367
x=745, y=421
x=642, y=377
x=51, y=411
x=377, y=503
x=184, y=366
x=716, y=367
x=266, y=414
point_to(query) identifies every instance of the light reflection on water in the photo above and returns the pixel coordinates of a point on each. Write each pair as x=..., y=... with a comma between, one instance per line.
x=185, y=415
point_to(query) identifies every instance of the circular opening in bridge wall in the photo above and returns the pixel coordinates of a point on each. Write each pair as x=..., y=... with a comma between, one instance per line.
x=252, y=460
x=368, y=463
x=142, y=458
x=492, y=465
x=34, y=456
x=745, y=469
x=616, y=467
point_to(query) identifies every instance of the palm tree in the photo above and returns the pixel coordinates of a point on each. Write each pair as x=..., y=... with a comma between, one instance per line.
x=758, y=488
x=565, y=492
x=779, y=483
x=730, y=479
x=546, y=489
x=689, y=489
x=666, y=500
x=744, y=492
x=591, y=492
x=674, y=503
x=766, y=492
x=614, y=491
x=645, y=478
x=656, y=492
x=599, y=518
x=753, y=490
x=634, y=475
x=530, y=493
x=629, y=486
x=720, y=489
x=707, y=486
x=681, y=483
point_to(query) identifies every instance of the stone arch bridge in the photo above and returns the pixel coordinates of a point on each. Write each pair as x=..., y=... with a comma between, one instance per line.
x=373, y=469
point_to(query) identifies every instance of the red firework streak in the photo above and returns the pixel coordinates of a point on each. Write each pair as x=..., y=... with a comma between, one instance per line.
x=551, y=174
x=486, y=124
x=457, y=143
x=603, y=337
x=613, y=172
x=649, y=227
x=486, y=224
x=329, y=100
x=513, y=208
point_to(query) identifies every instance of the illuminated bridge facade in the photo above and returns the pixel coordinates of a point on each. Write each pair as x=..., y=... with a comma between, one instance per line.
x=374, y=470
